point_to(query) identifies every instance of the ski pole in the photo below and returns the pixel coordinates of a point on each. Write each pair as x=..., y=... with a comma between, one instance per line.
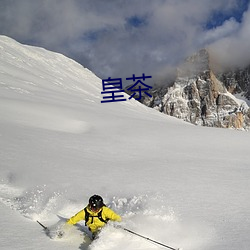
x=146, y=238
x=45, y=228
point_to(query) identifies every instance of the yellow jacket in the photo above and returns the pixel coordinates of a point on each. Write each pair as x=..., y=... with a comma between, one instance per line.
x=94, y=223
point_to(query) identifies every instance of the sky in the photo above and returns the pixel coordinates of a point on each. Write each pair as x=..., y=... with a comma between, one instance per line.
x=119, y=38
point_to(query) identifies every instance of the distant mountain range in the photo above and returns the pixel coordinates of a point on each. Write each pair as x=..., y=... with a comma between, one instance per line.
x=203, y=95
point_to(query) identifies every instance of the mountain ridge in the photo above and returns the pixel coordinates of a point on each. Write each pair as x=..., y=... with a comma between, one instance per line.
x=203, y=96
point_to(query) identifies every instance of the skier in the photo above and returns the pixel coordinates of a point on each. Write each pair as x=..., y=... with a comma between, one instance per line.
x=95, y=214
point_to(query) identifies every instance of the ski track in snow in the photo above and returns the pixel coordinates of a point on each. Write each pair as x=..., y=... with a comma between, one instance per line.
x=43, y=117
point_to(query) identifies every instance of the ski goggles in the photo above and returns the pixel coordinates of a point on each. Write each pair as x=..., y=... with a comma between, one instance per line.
x=94, y=208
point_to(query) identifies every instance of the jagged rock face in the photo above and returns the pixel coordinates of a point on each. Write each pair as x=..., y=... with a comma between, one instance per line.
x=199, y=97
x=237, y=81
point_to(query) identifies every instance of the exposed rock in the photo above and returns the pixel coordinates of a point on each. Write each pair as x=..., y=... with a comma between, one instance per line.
x=203, y=98
x=237, y=81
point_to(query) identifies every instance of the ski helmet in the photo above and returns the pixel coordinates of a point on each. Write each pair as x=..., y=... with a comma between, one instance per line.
x=95, y=202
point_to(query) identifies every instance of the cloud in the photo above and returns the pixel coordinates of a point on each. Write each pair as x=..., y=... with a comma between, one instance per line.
x=233, y=49
x=228, y=28
x=119, y=38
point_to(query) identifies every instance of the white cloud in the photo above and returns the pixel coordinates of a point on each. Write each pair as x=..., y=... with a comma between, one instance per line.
x=233, y=50
x=100, y=34
x=228, y=28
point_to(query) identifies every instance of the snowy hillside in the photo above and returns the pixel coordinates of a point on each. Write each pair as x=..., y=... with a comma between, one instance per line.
x=179, y=184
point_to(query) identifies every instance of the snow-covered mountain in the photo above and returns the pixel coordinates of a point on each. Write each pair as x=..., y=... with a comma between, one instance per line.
x=237, y=81
x=204, y=97
x=182, y=185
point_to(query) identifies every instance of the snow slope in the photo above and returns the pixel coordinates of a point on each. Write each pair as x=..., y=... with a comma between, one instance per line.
x=176, y=183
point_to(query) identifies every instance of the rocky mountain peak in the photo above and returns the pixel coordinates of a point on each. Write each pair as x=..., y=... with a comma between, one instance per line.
x=196, y=64
x=202, y=97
